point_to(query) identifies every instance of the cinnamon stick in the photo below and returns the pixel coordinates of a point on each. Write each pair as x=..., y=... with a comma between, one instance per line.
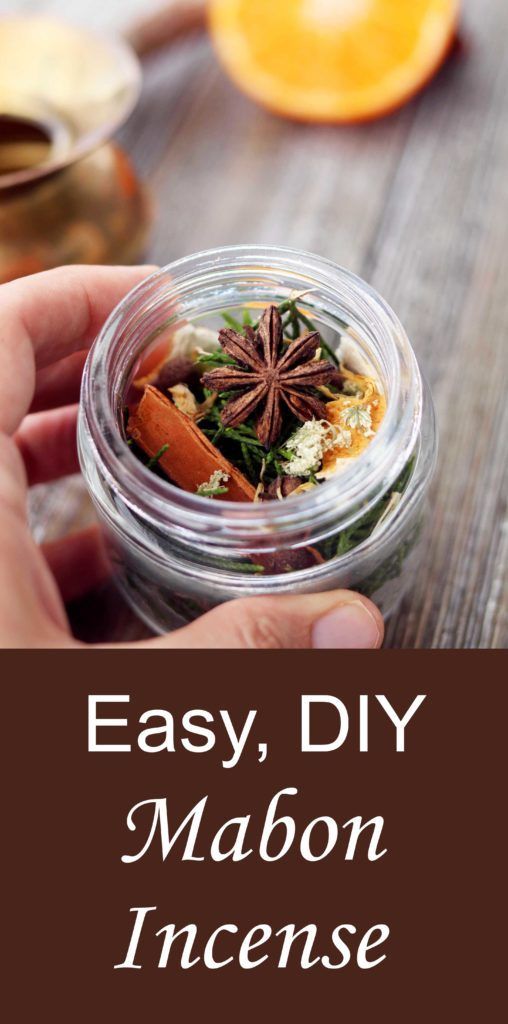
x=191, y=458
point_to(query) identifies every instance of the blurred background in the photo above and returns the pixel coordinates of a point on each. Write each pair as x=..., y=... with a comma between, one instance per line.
x=224, y=146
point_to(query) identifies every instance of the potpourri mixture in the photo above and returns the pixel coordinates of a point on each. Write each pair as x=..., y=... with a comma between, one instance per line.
x=260, y=411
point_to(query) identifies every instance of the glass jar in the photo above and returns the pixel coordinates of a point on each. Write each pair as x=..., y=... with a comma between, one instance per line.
x=177, y=554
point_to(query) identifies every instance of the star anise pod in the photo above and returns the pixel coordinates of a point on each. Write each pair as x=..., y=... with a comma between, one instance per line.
x=267, y=376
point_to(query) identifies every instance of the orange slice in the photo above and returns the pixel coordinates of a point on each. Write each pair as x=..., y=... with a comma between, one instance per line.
x=332, y=60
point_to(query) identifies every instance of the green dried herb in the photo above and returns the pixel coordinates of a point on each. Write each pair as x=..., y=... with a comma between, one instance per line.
x=155, y=458
x=211, y=492
x=346, y=540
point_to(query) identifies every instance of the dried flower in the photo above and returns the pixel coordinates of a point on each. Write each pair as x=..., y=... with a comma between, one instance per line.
x=308, y=445
x=358, y=417
x=214, y=486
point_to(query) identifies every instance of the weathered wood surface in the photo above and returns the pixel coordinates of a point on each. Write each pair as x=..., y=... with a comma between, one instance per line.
x=418, y=205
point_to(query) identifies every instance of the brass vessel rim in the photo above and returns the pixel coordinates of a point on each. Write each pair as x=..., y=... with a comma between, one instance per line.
x=69, y=137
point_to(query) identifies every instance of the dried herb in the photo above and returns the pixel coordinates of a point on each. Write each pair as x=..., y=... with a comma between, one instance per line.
x=268, y=375
x=218, y=358
x=190, y=459
x=346, y=540
x=392, y=566
x=214, y=486
x=211, y=492
x=158, y=455
x=242, y=447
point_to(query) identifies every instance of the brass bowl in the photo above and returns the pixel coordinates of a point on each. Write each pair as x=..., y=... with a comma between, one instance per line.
x=67, y=195
x=95, y=211
x=63, y=91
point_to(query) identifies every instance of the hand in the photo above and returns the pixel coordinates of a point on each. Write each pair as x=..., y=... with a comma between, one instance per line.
x=47, y=323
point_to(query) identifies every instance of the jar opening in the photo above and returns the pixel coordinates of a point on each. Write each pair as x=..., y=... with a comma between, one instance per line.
x=196, y=290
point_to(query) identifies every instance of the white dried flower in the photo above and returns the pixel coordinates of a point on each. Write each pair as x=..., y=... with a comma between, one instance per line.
x=308, y=445
x=213, y=485
x=358, y=417
x=343, y=438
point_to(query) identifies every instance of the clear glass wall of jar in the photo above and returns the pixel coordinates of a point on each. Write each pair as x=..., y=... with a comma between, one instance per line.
x=177, y=554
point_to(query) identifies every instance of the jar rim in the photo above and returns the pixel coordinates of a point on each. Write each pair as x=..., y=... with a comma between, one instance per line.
x=357, y=486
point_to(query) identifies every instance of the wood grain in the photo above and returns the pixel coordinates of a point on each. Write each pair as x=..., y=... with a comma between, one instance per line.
x=418, y=205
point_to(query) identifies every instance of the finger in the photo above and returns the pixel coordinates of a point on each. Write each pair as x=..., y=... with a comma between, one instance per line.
x=13, y=481
x=31, y=609
x=48, y=316
x=60, y=383
x=47, y=443
x=338, y=619
x=78, y=562
x=62, y=310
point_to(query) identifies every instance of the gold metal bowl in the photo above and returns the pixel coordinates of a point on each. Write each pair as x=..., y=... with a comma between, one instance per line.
x=95, y=211
x=67, y=194
x=63, y=91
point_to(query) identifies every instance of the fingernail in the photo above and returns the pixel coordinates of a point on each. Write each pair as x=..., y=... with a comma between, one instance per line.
x=351, y=624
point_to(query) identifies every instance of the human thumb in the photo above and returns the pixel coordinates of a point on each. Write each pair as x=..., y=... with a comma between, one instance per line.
x=336, y=619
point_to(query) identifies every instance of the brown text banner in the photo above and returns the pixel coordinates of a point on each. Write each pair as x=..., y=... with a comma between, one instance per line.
x=251, y=835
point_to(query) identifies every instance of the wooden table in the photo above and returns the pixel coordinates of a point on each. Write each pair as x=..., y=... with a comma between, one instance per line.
x=418, y=205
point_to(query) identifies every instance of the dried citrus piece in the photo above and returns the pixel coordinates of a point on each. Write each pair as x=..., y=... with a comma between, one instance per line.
x=356, y=419
x=332, y=60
